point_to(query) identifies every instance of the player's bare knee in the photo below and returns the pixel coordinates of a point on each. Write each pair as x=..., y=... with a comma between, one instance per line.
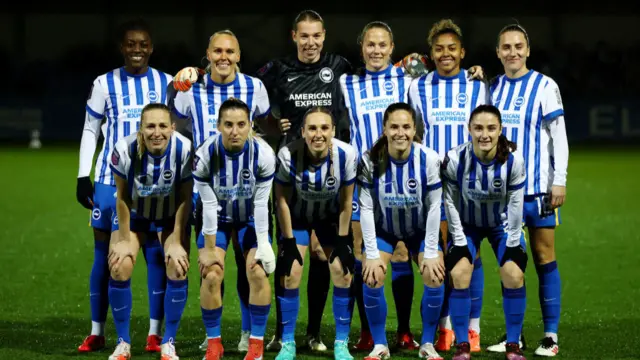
x=511, y=275
x=461, y=274
x=337, y=274
x=256, y=276
x=429, y=281
x=173, y=273
x=123, y=271
x=213, y=278
x=293, y=280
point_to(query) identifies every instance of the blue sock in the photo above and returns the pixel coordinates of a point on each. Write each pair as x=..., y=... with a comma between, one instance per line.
x=289, y=304
x=156, y=278
x=341, y=312
x=120, y=300
x=402, y=287
x=430, y=310
x=99, y=282
x=514, y=303
x=549, y=293
x=259, y=315
x=460, y=305
x=476, y=289
x=375, y=305
x=356, y=285
x=211, y=319
x=174, y=303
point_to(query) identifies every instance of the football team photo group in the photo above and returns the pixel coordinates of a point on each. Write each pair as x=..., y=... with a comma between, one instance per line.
x=326, y=180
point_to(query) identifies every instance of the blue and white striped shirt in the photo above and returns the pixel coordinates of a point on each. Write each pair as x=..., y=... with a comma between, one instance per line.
x=445, y=104
x=316, y=187
x=528, y=106
x=202, y=102
x=367, y=97
x=403, y=201
x=119, y=97
x=483, y=195
x=154, y=181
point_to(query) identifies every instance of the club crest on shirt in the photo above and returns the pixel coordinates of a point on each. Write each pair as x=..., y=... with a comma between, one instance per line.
x=497, y=183
x=519, y=101
x=326, y=75
x=167, y=175
x=245, y=175
x=388, y=85
x=412, y=185
x=355, y=206
x=152, y=96
x=461, y=98
x=95, y=214
x=331, y=182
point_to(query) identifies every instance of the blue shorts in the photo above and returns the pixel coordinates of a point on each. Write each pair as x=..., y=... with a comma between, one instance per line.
x=531, y=216
x=497, y=237
x=443, y=214
x=355, y=206
x=326, y=232
x=104, y=206
x=141, y=225
x=246, y=236
x=415, y=245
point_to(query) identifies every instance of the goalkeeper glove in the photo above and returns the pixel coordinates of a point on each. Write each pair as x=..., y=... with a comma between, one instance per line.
x=186, y=77
x=84, y=192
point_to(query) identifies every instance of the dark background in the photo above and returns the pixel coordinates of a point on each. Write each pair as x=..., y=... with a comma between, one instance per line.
x=53, y=51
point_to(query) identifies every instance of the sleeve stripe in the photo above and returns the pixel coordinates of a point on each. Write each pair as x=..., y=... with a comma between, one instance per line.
x=93, y=113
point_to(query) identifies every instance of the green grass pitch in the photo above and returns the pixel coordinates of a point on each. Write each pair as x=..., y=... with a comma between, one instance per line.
x=47, y=250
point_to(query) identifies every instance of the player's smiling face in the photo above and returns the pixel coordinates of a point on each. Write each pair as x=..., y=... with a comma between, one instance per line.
x=223, y=54
x=447, y=52
x=235, y=127
x=400, y=129
x=136, y=48
x=485, y=130
x=317, y=132
x=309, y=38
x=377, y=47
x=156, y=130
x=513, y=51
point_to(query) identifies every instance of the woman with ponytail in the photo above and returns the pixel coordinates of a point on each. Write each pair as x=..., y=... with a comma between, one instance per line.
x=484, y=194
x=400, y=195
x=153, y=180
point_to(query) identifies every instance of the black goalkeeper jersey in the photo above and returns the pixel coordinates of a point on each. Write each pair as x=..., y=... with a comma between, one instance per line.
x=294, y=87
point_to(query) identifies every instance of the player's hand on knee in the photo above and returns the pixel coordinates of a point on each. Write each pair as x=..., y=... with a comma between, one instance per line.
x=433, y=268
x=177, y=257
x=265, y=257
x=186, y=77
x=206, y=259
x=344, y=252
x=118, y=253
x=373, y=272
x=288, y=255
x=476, y=73
x=84, y=192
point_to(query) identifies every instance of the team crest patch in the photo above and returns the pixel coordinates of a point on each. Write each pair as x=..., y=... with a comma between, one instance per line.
x=497, y=183
x=388, y=85
x=331, y=181
x=96, y=214
x=519, y=101
x=263, y=70
x=115, y=157
x=412, y=185
x=462, y=98
x=355, y=207
x=245, y=175
x=326, y=75
x=152, y=96
x=167, y=175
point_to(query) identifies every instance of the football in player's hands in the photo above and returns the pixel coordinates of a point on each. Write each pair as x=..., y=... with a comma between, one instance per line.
x=185, y=78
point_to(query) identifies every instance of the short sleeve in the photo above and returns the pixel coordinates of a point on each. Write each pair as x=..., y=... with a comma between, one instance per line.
x=552, y=102
x=97, y=101
x=119, y=161
x=283, y=174
x=202, y=162
x=266, y=163
x=262, y=101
